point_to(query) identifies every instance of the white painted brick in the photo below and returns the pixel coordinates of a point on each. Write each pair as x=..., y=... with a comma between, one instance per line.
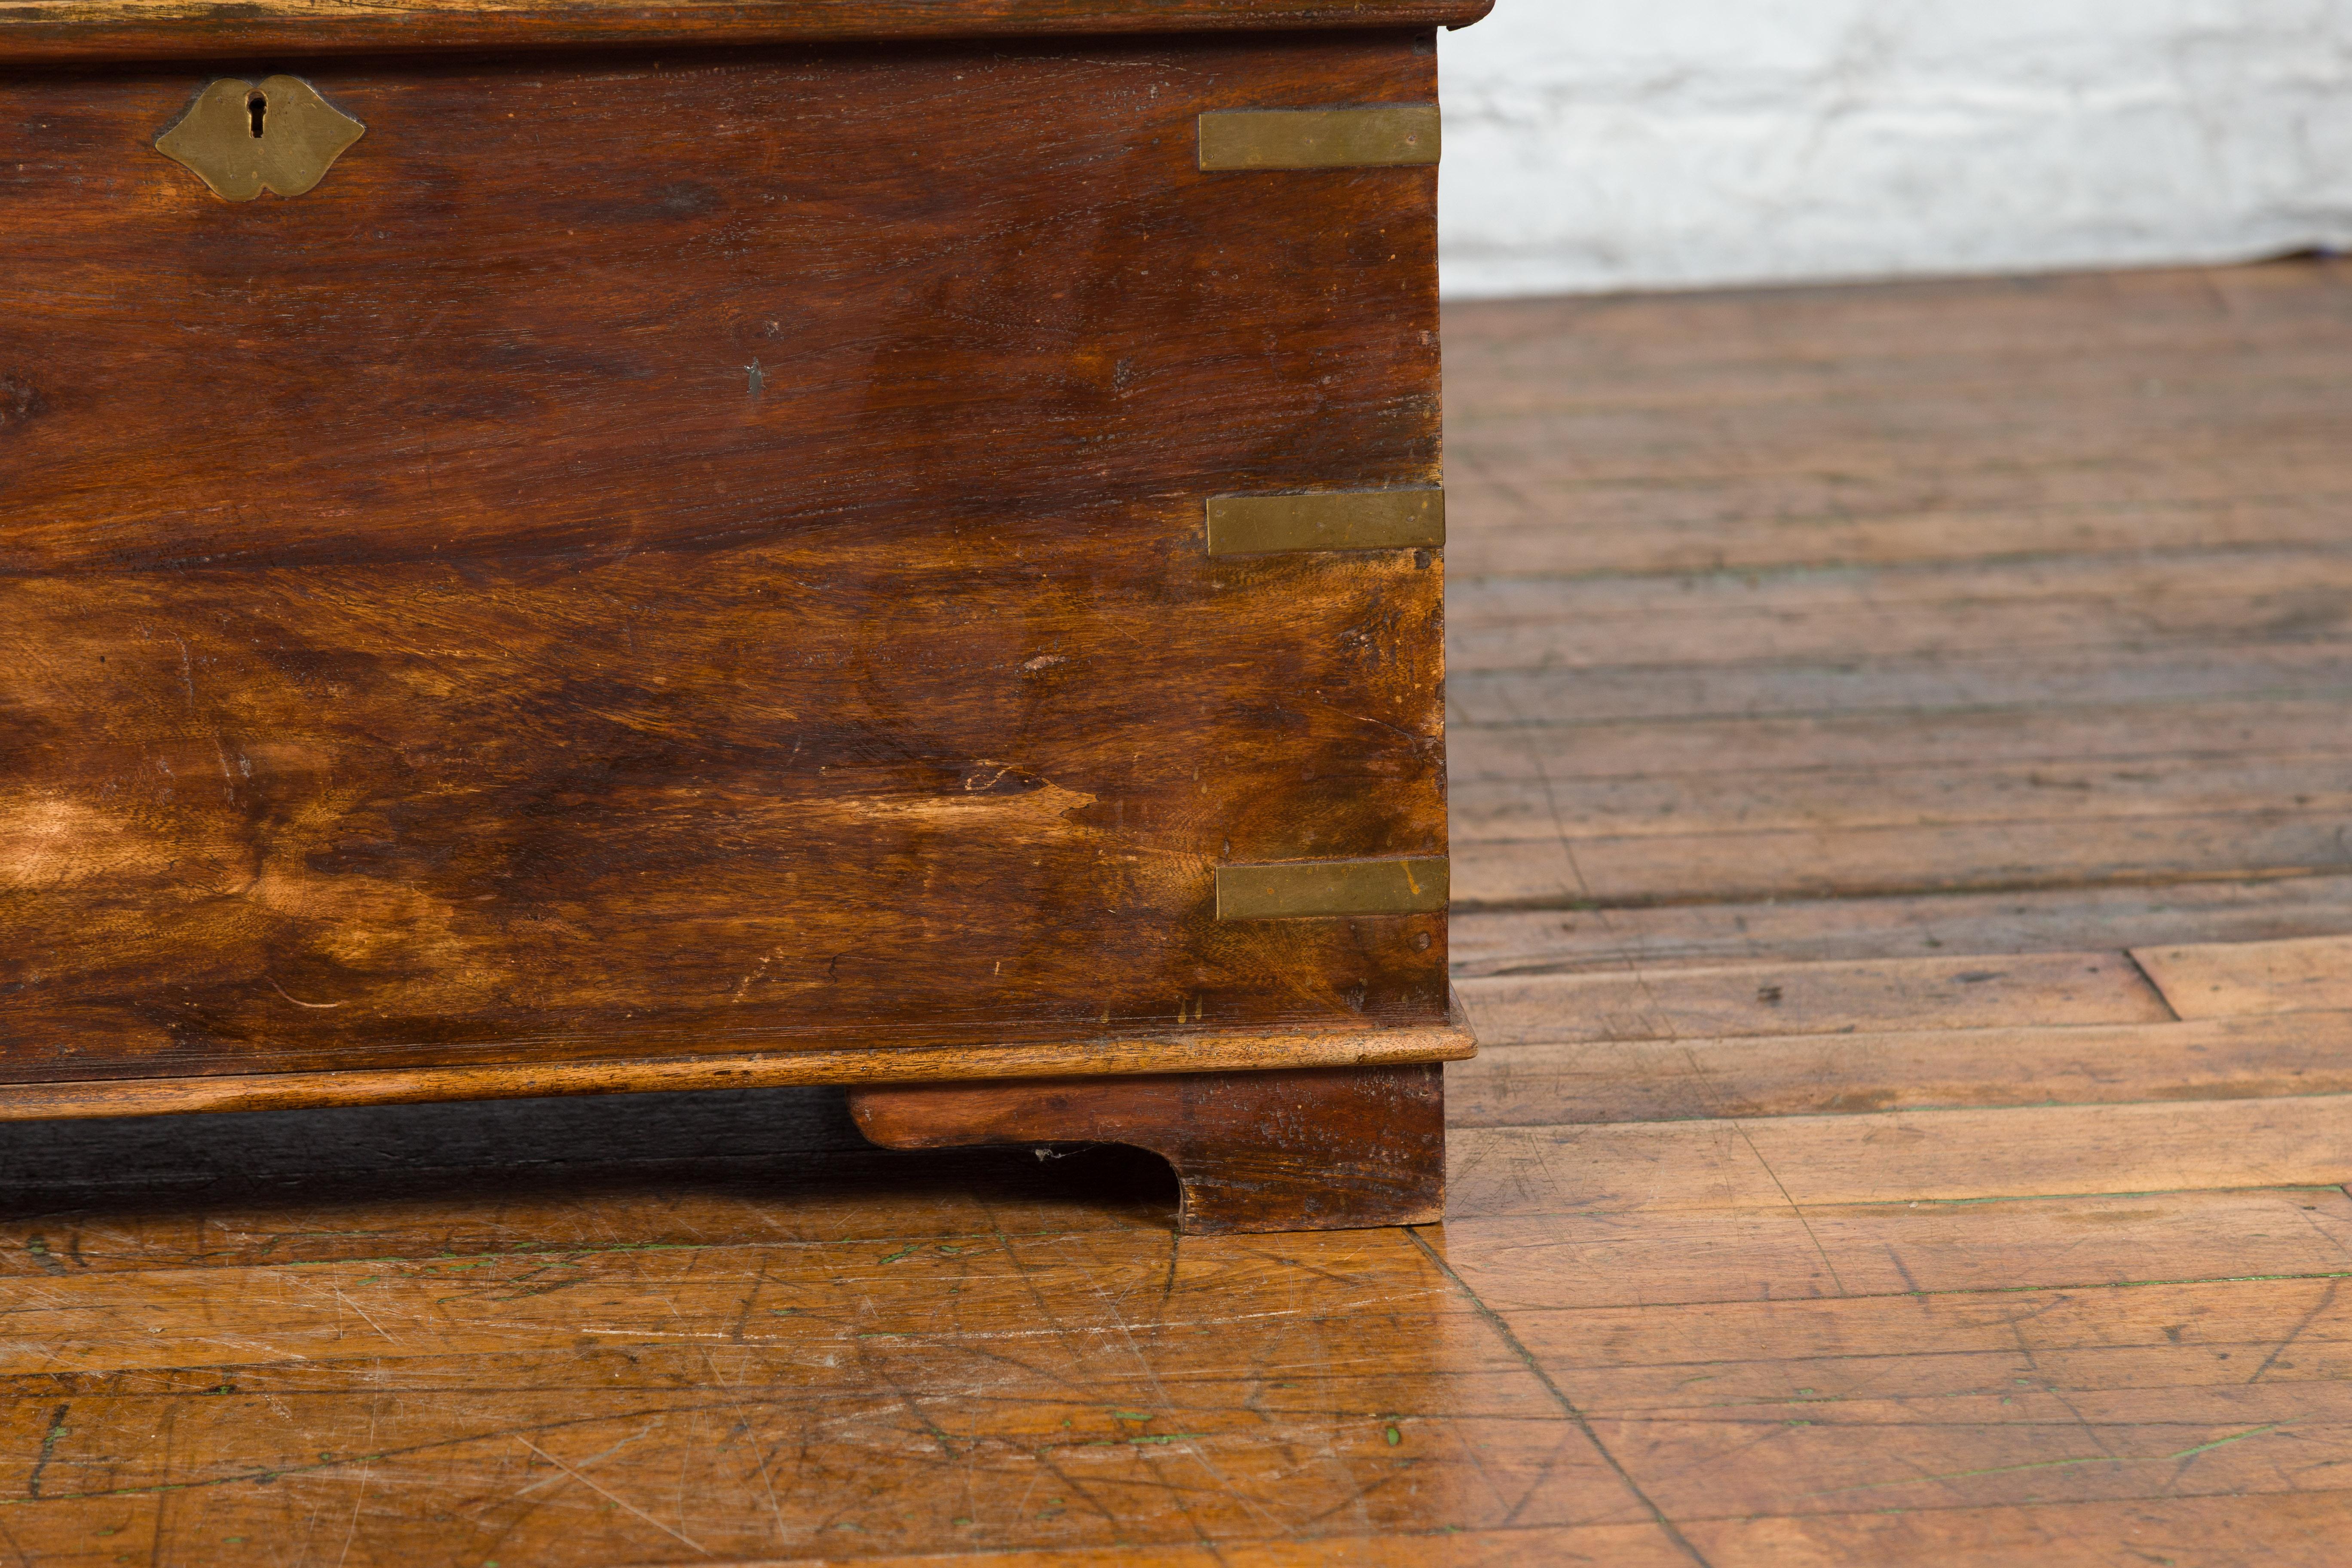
x=1598, y=145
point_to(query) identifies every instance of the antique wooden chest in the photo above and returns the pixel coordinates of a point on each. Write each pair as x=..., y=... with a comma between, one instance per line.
x=594, y=547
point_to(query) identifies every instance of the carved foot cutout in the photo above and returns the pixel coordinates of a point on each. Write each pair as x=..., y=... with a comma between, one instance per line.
x=1318, y=1149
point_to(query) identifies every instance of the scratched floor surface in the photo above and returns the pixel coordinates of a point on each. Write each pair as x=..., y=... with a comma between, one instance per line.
x=1902, y=797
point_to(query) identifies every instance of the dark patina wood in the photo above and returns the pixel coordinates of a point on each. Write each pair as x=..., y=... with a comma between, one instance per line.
x=62, y=30
x=1322, y=1149
x=432, y=642
x=688, y=565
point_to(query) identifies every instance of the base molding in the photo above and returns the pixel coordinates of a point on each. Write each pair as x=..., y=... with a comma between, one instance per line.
x=1305, y=1149
x=1116, y=1056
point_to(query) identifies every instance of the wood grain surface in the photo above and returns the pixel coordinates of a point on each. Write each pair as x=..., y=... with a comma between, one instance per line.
x=49, y=31
x=706, y=558
x=2222, y=980
x=1891, y=1225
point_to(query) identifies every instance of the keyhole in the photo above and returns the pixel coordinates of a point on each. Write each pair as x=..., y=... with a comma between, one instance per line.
x=257, y=105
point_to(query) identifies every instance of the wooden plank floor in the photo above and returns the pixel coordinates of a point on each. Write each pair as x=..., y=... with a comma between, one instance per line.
x=1902, y=814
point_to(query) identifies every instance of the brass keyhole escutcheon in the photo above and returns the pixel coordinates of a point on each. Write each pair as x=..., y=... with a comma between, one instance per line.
x=242, y=138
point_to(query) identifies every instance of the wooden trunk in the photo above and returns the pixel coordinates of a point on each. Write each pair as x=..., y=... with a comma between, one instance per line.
x=720, y=544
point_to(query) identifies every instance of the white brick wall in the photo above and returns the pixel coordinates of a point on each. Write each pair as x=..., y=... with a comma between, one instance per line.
x=1636, y=143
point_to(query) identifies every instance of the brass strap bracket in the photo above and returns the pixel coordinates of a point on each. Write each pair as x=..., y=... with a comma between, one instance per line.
x=1411, y=518
x=1311, y=889
x=1387, y=135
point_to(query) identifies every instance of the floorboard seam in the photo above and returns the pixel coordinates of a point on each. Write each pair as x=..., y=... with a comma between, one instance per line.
x=1548, y=905
x=2322, y=692
x=2156, y=986
x=1843, y=1116
x=1494, y=1319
